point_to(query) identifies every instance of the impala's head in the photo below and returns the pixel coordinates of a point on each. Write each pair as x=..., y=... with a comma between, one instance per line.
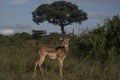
x=65, y=42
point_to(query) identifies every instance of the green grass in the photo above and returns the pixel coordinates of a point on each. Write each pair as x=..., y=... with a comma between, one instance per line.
x=17, y=63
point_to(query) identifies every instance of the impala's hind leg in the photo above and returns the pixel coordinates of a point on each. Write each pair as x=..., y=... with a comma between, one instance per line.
x=36, y=64
x=39, y=62
x=42, y=58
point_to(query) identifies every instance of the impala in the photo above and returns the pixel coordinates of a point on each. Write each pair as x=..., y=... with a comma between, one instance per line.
x=58, y=53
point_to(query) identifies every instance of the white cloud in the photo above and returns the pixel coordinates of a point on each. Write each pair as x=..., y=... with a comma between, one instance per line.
x=7, y=31
x=16, y=28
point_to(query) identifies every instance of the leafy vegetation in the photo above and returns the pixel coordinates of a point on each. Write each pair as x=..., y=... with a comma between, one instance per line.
x=94, y=55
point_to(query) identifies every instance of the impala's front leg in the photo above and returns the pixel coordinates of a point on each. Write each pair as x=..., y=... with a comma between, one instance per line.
x=60, y=62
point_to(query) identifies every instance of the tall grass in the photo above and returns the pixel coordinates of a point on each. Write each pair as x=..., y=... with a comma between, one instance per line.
x=17, y=63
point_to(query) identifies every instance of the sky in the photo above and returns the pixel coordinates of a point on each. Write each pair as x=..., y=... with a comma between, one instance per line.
x=15, y=15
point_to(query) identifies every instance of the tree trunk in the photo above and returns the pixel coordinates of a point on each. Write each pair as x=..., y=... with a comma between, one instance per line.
x=62, y=31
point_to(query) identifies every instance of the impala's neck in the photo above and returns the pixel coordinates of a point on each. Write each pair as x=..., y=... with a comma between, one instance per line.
x=65, y=43
x=66, y=48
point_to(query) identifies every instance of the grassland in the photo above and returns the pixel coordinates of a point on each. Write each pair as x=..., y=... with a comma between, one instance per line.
x=17, y=63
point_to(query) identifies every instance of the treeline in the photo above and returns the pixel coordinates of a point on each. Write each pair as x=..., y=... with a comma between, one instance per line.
x=26, y=39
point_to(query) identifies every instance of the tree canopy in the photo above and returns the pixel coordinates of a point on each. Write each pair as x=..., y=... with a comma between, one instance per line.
x=60, y=13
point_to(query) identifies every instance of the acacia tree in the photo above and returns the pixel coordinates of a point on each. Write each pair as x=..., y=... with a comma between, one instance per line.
x=60, y=13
